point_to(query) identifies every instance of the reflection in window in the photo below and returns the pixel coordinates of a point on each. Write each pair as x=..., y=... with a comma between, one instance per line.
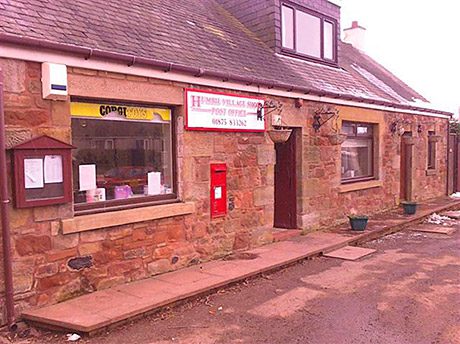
x=357, y=152
x=328, y=39
x=308, y=29
x=133, y=157
x=307, y=33
x=288, y=34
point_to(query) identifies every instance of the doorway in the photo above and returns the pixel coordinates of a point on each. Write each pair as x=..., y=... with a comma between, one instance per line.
x=407, y=144
x=286, y=184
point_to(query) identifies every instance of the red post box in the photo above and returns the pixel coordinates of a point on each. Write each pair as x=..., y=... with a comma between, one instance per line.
x=218, y=190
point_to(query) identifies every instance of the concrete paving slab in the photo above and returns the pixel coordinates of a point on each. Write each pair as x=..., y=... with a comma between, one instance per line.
x=65, y=315
x=434, y=229
x=152, y=289
x=350, y=253
x=452, y=214
x=100, y=309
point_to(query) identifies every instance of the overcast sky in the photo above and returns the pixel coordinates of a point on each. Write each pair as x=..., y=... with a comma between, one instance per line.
x=418, y=40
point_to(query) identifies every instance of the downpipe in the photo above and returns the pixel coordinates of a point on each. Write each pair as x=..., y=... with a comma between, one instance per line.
x=4, y=213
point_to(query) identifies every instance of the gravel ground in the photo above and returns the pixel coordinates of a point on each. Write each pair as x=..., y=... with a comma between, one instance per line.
x=407, y=292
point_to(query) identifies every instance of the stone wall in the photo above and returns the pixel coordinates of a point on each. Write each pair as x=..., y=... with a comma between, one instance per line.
x=326, y=202
x=50, y=267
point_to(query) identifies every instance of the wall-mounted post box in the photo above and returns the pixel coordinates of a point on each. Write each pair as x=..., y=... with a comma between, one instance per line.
x=42, y=172
x=218, y=190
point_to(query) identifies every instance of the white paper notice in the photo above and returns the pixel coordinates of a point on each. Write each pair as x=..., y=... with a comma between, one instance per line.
x=33, y=173
x=154, y=183
x=53, y=169
x=87, y=177
x=218, y=192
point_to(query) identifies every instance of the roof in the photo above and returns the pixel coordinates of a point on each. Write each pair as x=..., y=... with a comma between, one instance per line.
x=375, y=76
x=197, y=36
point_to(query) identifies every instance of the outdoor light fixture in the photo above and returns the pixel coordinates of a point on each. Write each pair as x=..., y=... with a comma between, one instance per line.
x=270, y=104
x=419, y=128
x=317, y=122
x=393, y=127
x=397, y=127
x=278, y=133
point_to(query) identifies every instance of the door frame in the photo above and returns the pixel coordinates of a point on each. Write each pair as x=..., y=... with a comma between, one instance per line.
x=406, y=166
x=293, y=221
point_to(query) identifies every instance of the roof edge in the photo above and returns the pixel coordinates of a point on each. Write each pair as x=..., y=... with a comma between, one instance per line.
x=130, y=60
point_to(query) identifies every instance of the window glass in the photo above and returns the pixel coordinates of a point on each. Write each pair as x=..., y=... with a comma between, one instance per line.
x=129, y=149
x=288, y=27
x=328, y=40
x=348, y=129
x=357, y=151
x=308, y=37
x=363, y=130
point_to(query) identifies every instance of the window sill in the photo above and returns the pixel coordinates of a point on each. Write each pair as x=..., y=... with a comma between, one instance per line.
x=122, y=217
x=431, y=172
x=360, y=186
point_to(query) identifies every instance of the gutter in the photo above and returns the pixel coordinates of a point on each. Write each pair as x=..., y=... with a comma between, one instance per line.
x=4, y=211
x=131, y=60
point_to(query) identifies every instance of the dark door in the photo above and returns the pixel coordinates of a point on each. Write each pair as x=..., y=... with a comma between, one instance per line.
x=285, y=184
x=451, y=165
x=406, y=166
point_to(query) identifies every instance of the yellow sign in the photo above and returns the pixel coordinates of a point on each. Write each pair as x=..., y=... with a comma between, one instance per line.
x=113, y=111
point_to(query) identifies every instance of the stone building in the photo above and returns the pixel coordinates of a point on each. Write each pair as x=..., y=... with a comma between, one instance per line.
x=170, y=108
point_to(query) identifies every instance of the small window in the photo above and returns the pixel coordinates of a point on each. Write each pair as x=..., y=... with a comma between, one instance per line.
x=328, y=39
x=357, y=152
x=308, y=33
x=116, y=161
x=288, y=31
x=431, y=151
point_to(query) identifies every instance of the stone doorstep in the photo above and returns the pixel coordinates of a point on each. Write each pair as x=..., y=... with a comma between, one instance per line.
x=350, y=253
x=90, y=314
x=430, y=228
x=281, y=235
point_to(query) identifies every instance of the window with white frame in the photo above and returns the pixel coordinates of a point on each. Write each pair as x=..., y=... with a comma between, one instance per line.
x=307, y=33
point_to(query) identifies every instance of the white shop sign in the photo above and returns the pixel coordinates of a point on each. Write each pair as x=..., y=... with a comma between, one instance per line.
x=222, y=112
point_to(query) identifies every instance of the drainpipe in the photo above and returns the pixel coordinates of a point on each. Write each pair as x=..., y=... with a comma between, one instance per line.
x=4, y=211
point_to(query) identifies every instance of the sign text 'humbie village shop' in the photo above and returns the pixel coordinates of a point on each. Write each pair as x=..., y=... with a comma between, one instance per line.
x=221, y=111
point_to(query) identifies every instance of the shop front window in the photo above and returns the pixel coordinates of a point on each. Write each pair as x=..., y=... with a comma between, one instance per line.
x=123, y=154
x=357, y=152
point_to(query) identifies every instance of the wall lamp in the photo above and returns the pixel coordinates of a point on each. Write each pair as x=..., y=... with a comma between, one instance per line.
x=397, y=127
x=319, y=113
x=393, y=127
x=268, y=105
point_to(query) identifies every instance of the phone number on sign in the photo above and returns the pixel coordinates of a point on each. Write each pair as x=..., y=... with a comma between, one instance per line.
x=229, y=122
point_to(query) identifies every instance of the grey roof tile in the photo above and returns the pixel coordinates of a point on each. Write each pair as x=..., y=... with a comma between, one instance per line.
x=195, y=33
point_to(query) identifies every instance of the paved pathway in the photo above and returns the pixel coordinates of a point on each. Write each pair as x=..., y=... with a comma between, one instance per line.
x=100, y=309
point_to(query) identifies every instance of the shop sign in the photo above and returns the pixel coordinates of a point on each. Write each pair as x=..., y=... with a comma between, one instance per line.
x=223, y=112
x=119, y=112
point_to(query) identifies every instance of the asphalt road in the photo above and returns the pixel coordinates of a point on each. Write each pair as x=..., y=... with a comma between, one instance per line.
x=406, y=293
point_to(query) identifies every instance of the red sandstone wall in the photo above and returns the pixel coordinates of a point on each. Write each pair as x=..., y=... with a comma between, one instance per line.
x=120, y=254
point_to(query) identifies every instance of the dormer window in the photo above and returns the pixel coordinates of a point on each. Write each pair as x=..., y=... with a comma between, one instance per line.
x=308, y=34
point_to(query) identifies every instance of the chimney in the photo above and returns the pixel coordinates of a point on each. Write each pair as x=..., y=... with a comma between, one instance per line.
x=355, y=35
